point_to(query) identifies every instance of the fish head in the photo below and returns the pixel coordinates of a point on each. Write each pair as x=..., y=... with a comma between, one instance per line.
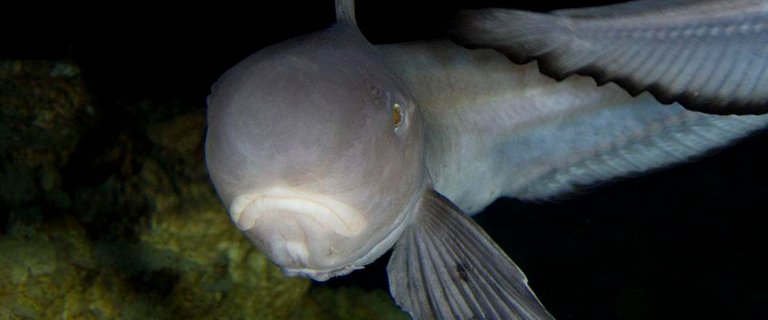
x=316, y=151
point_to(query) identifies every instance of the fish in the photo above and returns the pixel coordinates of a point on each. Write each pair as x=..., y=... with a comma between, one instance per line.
x=328, y=151
x=709, y=55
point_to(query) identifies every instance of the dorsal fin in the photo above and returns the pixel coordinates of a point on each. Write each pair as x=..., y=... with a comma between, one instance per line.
x=345, y=11
x=708, y=55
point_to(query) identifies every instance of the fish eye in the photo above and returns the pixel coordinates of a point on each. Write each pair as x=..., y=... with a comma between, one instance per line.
x=398, y=119
x=397, y=115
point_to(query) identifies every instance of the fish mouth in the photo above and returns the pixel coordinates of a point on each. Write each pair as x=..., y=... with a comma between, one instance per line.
x=328, y=213
x=301, y=232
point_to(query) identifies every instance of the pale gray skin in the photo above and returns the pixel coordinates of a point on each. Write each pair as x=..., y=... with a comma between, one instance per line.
x=328, y=150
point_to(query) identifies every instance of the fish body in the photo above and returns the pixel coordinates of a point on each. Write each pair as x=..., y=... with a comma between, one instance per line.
x=505, y=129
x=328, y=151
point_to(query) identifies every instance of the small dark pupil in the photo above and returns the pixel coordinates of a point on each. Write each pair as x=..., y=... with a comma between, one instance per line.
x=397, y=116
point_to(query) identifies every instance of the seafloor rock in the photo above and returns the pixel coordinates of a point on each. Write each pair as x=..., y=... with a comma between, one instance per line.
x=139, y=233
x=41, y=102
x=43, y=109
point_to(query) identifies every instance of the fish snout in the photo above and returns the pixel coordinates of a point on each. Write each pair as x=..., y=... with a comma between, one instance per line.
x=306, y=234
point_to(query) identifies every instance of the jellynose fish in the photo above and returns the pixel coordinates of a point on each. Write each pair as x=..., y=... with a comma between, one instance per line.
x=328, y=151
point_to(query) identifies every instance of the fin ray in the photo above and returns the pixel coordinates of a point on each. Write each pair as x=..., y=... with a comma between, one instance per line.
x=729, y=38
x=446, y=267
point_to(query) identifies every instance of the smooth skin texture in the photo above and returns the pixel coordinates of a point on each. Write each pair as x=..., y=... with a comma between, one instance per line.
x=328, y=151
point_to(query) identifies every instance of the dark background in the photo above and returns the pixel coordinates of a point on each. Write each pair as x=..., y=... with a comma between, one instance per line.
x=684, y=242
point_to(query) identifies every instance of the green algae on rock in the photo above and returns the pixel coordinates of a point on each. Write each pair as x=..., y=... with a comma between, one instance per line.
x=349, y=303
x=43, y=109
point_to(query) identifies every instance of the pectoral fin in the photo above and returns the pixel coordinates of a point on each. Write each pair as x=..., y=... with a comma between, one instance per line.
x=446, y=267
x=710, y=56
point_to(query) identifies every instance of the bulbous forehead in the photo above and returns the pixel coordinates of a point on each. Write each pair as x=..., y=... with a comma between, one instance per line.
x=283, y=85
x=313, y=84
x=326, y=64
x=296, y=113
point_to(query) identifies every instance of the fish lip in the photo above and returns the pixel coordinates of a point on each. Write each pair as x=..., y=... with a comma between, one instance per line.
x=330, y=213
